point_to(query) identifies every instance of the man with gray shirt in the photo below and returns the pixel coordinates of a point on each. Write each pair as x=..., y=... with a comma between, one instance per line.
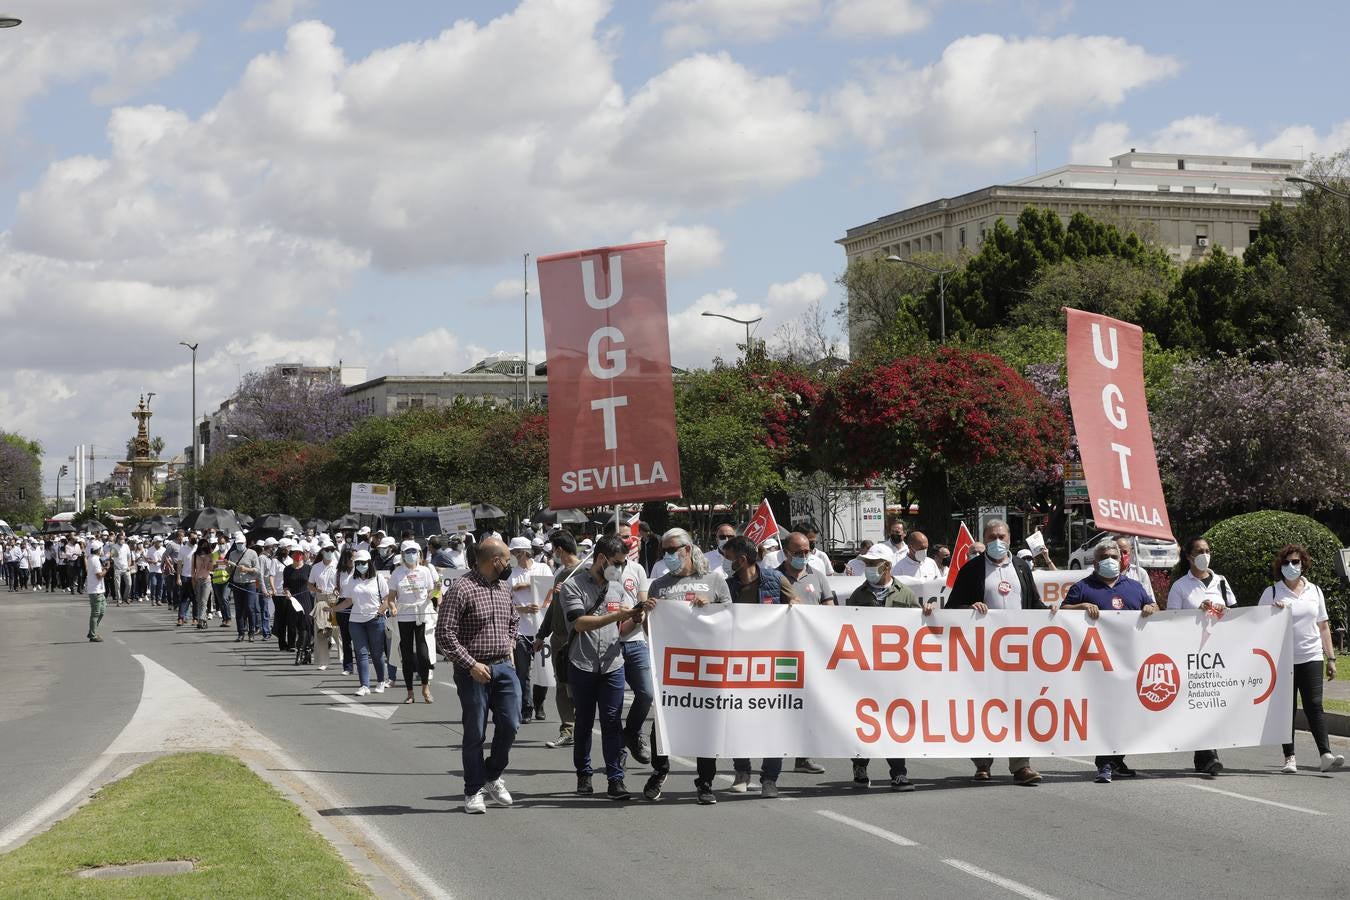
x=599, y=621
x=245, y=584
x=687, y=579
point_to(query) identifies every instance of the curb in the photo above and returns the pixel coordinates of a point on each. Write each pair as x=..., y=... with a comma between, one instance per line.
x=1337, y=723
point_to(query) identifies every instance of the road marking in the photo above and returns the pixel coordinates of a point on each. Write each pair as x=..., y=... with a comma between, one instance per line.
x=1016, y=887
x=1288, y=806
x=372, y=710
x=870, y=829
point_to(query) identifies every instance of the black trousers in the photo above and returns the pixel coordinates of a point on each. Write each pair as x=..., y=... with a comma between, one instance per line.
x=706, y=765
x=345, y=629
x=1308, y=683
x=412, y=646
x=283, y=626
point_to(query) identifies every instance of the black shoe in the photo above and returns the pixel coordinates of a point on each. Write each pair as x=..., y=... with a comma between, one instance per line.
x=1214, y=768
x=539, y=716
x=901, y=785
x=860, y=775
x=652, y=790
x=1124, y=771
x=639, y=748
x=706, y=797
x=584, y=786
x=617, y=791
x=239, y=640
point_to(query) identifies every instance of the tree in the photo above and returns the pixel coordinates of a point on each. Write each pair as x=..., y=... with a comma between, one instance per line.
x=882, y=306
x=1244, y=546
x=1266, y=429
x=268, y=476
x=20, y=479
x=805, y=340
x=270, y=406
x=959, y=424
x=1109, y=285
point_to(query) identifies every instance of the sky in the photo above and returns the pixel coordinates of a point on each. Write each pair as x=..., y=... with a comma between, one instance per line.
x=324, y=181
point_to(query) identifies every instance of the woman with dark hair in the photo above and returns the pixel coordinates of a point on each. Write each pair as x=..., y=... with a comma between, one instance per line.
x=295, y=581
x=203, y=565
x=1200, y=588
x=344, y=617
x=1292, y=590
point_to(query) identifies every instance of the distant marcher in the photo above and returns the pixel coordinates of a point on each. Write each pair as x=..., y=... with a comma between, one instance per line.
x=94, y=584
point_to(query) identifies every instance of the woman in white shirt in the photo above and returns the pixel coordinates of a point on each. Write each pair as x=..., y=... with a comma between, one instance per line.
x=367, y=591
x=323, y=578
x=1312, y=641
x=414, y=591
x=1200, y=588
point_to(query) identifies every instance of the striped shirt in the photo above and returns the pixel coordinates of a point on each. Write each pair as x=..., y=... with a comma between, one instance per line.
x=477, y=622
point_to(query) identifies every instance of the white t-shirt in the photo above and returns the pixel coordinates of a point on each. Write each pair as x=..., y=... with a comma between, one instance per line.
x=367, y=594
x=631, y=583
x=93, y=582
x=154, y=558
x=414, y=588
x=820, y=561
x=324, y=577
x=522, y=595
x=715, y=560
x=908, y=567
x=1309, y=608
x=1002, y=590
x=1188, y=592
x=121, y=557
x=1137, y=573
x=892, y=550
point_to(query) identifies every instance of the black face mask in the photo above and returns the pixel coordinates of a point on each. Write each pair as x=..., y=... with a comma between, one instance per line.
x=897, y=539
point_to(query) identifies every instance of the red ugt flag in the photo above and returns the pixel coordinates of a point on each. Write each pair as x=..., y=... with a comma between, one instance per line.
x=762, y=524
x=960, y=554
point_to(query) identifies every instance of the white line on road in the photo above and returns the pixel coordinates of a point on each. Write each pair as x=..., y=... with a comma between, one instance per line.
x=372, y=710
x=1016, y=887
x=1288, y=806
x=873, y=830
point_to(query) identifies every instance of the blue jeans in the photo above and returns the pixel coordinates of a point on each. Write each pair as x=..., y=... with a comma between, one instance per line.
x=770, y=767
x=368, y=643
x=501, y=695
x=245, y=609
x=592, y=690
x=263, y=615
x=156, y=586
x=637, y=671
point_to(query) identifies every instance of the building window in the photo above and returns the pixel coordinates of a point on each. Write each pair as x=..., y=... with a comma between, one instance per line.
x=1164, y=187
x=1251, y=235
x=415, y=403
x=961, y=236
x=1181, y=164
x=1188, y=189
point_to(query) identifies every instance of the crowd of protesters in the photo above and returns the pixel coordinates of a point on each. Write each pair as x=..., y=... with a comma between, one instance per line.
x=376, y=603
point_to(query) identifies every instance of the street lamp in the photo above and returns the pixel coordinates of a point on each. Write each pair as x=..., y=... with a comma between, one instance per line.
x=1337, y=192
x=746, y=322
x=197, y=500
x=942, y=286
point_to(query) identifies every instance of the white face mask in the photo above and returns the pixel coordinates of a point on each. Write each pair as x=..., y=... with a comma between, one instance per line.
x=613, y=573
x=1201, y=561
x=921, y=555
x=722, y=542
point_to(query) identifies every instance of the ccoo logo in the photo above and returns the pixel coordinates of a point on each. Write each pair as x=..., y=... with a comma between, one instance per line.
x=1158, y=682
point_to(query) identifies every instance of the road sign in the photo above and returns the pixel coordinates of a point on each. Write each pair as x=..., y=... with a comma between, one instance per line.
x=1075, y=491
x=372, y=498
x=457, y=518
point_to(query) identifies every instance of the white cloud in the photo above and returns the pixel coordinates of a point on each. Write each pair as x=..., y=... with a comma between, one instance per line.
x=1209, y=134
x=148, y=62
x=878, y=18
x=689, y=248
x=1103, y=142
x=695, y=339
x=694, y=23
x=981, y=100
x=268, y=14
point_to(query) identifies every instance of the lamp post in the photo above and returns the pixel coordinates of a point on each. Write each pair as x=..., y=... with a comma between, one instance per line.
x=196, y=498
x=942, y=287
x=1336, y=192
x=746, y=322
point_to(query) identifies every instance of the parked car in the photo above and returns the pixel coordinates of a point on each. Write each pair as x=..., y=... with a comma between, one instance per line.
x=1153, y=553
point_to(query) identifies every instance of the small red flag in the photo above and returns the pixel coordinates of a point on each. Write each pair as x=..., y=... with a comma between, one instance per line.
x=762, y=524
x=960, y=553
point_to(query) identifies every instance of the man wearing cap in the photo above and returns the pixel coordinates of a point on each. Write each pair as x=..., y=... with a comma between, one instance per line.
x=245, y=584
x=880, y=589
x=769, y=553
x=530, y=614
x=476, y=629
x=94, y=572
x=385, y=554
x=363, y=538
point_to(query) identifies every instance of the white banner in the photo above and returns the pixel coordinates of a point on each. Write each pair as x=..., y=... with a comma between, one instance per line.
x=372, y=498
x=1051, y=585
x=456, y=518
x=749, y=680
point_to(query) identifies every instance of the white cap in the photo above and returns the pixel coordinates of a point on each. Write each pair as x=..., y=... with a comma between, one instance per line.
x=387, y=541
x=270, y=542
x=518, y=543
x=361, y=556
x=586, y=542
x=537, y=543
x=770, y=544
x=285, y=543
x=325, y=541
x=95, y=546
x=238, y=537
x=1025, y=554
x=875, y=553
x=364, y=529
x=409, y=545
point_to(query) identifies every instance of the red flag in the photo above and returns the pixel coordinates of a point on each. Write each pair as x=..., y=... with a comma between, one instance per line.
x=611, y=404
x=960, y=554
x=632, y=541
x=762, y=524
x=1110, y=417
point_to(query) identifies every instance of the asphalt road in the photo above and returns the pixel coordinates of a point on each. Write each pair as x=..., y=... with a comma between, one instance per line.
x=1250, y=833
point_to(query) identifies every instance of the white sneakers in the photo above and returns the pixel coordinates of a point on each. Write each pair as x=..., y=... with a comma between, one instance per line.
x=1290, y=766
x=389, y=682
x=379, y=687
x=496, y=792
x=741, y=784
x=362, y=691
x=1332, y=761
x=475, y=804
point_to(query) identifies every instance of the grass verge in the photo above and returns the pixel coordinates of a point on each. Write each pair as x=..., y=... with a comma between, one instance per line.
x=246, y=840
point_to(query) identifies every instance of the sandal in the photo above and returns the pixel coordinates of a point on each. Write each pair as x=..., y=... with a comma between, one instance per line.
x=426, y=695
x=410, y=698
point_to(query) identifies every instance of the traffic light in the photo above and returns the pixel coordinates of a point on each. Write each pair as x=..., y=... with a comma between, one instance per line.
x=65, y=470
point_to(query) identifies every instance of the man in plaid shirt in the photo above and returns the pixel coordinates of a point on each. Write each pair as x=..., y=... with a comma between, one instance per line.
x=477, y=631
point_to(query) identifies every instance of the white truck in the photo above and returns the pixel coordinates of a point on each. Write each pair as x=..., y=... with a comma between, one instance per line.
x=845, y=515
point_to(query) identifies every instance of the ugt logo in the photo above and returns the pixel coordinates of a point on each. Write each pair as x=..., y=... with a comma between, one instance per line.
x=686, y=667
x=1158, y=682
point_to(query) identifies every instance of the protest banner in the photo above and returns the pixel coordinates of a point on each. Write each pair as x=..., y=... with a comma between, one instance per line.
x=455, y=519
x=1110, y=417
x=745, y=680
x=377, y=499
x=611, y=410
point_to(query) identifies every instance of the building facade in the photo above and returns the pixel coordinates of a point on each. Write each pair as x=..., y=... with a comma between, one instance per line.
x=499, y=379
x=1183, y=203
